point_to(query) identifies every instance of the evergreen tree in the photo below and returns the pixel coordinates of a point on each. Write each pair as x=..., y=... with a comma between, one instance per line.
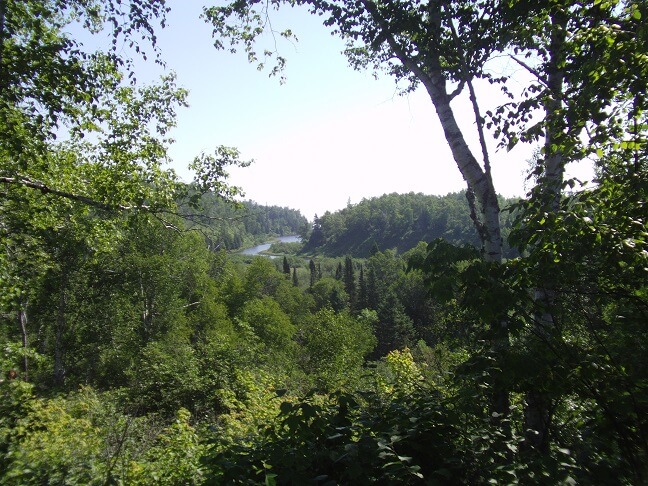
x=295, y=280
x=394, y=329
x=362, y=290
x=317, y=237
x=349, y=281
x=313, y=273
x=339, y=272
x=372, y=291
x=286, y=266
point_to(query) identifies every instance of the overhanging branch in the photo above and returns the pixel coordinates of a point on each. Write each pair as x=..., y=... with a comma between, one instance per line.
x=395, y=46
x=157, y=213
x=533, y=71
x=467, y=78
x=45, y=189
x=458, y=90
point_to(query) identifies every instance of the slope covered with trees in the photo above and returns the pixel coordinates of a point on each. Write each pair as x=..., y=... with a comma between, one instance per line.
x=394, y=221
x=232, y=226
x=585, y=99
x=134, y=351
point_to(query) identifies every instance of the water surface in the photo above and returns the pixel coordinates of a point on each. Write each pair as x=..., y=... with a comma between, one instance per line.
x=255, y=250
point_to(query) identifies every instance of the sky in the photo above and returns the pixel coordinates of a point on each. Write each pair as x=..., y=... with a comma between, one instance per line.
x=328, y=136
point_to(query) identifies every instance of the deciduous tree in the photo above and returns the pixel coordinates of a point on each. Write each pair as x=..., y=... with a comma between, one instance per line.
x=587, y=62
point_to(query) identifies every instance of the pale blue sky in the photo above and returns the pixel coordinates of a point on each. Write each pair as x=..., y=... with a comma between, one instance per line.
x=328, y=135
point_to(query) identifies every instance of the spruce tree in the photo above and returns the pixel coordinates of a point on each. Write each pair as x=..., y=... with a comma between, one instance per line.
x=372, y=291
x=339, y=272
x=286, y=266
x=362, y=290
x=313, y=273
x=349, y=281
x=317, y=237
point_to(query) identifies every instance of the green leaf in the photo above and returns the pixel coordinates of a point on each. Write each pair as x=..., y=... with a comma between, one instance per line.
x=285, y=407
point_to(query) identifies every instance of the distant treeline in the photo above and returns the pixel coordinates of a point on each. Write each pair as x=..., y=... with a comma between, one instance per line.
x=394, y=221
x=233, y=227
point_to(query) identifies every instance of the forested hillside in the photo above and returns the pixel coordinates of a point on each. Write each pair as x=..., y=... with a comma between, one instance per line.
x=395, y=221
x=135, y=349
x=232, y=226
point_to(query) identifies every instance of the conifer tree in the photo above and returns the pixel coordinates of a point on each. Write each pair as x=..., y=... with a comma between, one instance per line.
x=313, y=273
x=317, y=235
x=339, y=272
x=286, y=266
x=372, y=292
x=362, y=290
x=349, y=281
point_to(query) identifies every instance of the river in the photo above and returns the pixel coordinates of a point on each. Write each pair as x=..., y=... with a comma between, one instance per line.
x=255, y=250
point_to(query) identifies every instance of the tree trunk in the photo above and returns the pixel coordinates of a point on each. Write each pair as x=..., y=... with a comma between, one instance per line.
x=3, y=14
x=22, y=321
x=487, y=223
x=478, y=180
x=537, y=414
x=59, y=348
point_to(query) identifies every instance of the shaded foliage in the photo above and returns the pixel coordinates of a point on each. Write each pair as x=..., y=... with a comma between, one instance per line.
x=393, y=221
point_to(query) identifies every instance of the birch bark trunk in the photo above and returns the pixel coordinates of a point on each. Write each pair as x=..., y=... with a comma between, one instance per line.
x=22, y=321
x=478, y=178
x=539, y=405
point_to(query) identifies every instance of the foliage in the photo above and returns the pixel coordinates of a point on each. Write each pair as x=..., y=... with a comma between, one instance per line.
x=16, y=404
x=55, y=442
x=136, y=352
x=284, y=248
x=393, y=221
x=270, y=324
x=245, y=223
x=174, y=459
x=335, y=346
x=595, y=262
x=415, y=437
x=251, y=404
x=404, y=375
x=82, y=439
x=330, y=292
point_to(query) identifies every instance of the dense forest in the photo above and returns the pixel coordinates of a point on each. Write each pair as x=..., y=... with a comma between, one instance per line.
x=232, y=226
x=396, y=221
x=136, y=349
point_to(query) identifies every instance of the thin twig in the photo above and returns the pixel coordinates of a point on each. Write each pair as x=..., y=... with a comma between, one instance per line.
x=533, y=71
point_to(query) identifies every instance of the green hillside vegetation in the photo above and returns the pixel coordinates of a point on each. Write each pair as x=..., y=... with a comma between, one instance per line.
x=395, y=221
x=136, y=349
x=234, y=226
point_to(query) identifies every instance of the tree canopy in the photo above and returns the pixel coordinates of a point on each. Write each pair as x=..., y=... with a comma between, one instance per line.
x=397, y=221
x=134, y=349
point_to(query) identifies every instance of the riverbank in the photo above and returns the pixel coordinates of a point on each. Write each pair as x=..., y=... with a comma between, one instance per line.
x=263, y=248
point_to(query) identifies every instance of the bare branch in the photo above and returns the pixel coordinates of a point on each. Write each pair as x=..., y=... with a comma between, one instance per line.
x=165, y=223
x=458, y=90
x=533, y=71
x=467, y=78
x=395, y=46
